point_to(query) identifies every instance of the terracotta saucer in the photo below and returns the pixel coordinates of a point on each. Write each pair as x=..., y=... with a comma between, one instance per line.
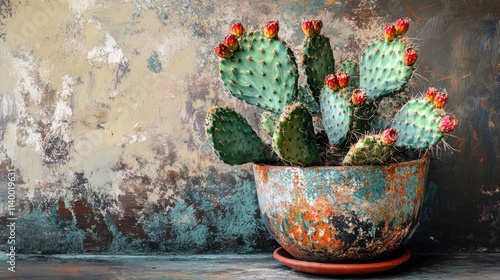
x=338, y=269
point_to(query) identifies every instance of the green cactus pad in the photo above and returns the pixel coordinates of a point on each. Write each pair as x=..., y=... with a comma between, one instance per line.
x=382, y=69
x=306, y=97
x=337, y=115
x=294, y=139
x=418, y=125
x=368, y=150
x=352, y=68
x=268, y=122
x=262, y=72
x=232, y=138
x=318, y=62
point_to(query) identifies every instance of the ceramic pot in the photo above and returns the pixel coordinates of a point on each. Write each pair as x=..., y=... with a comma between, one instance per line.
x=339, y=214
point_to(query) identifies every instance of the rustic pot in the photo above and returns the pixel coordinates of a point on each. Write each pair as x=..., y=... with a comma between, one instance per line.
x=339, y=214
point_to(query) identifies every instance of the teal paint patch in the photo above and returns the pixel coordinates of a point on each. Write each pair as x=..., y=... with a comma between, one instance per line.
x=376, y=187
x=39, y=231
x=154, y=64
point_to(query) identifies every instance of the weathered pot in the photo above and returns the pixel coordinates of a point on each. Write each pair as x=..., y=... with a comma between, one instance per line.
x=341, y=213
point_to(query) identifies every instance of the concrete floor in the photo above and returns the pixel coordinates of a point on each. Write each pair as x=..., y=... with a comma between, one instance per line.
x=252, y=266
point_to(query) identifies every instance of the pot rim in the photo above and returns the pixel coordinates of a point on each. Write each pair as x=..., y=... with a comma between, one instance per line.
x=424, y=159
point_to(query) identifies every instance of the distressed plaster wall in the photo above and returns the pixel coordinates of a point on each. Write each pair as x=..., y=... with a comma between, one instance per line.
x=102, y=105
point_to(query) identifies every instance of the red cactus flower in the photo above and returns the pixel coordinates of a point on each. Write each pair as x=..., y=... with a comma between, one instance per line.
x=389, y=32
x=359, y=97
x=223, y=51
x=401, y=25
x=271, y=29
x=440, y=99
x=318, y=24
x=430, y=94
x=448, y=123
x=332, y=82
x=343, y=79
x=231, y=42
x=237, y=29
x=389, y=136
x=308, y=28
x=410, y=56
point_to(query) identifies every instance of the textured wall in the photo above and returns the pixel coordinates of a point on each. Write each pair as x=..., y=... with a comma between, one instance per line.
x=102, y=105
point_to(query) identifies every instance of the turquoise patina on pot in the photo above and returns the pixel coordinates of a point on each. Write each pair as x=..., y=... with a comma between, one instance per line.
x=341, y=213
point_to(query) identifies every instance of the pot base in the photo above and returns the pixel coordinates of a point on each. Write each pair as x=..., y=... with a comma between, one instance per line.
x=334, y=269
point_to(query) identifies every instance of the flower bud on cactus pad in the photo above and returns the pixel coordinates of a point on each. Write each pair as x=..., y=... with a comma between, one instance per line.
x=342, y=79
x=332, y=82
x=389, y=32
x=389, y=136
x=308, y=28
x=359, y=97
x=223, y=51
x=430, y=94
x=237, y=29
x=440, y=99
x=401, y=25
x=410, y=56
x=448, y=123
x=271, y=29
x=231, y=42
x=318, y=24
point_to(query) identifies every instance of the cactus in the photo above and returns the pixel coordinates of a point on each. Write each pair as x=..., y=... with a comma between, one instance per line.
x=317, y=57
x=261, y=72
x=294, y=139
x=338, y=116
x=260, y=69
x=268, y=122
x=233, y=139
x=383, y=70
x=422, y=123
x=372, y=149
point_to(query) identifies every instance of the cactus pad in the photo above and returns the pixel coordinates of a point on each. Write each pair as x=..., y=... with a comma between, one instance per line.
x=305, y=96
x=368, y=150
x=268, y=122
x=418, y=125
x=232, y=138
x=337, y=115
x=382, y=69
x=318, y=61
x=294, y=139
x=262, y=72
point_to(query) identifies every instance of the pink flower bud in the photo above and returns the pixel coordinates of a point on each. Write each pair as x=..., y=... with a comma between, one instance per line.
x=308, y=28
x=231, y=42
x=359, y=97
x=448, y=123
x=401, y=25
x=223, y=51
x=430, y=94
x=389, y=32
x=331, y=82
x=237, y=29
x=389, y=136
x=410, y=56
x=440, y=99
x=271, y=29
x=342, y=79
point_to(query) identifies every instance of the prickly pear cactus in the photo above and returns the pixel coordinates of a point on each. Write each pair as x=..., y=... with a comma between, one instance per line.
x=338, y=115
x=420, y=124
x=268, y=122
x=372, y=149
x=233, y=139
x=294, y=140
x=357, y=99
x=383, y=70
x=318, y=61
x=261, y=72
